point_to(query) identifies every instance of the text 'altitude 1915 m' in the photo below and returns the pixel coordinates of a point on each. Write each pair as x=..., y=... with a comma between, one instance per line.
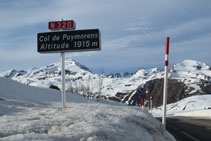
x=63, y=41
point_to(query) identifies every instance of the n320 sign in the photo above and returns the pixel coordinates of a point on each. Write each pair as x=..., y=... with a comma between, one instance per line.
x=64, y=41
x=56, y=25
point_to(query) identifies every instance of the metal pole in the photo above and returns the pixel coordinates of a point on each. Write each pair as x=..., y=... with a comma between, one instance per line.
x=63, y=80
x=165, y=89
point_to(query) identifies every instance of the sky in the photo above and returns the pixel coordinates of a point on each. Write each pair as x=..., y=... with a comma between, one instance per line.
x=133, y=32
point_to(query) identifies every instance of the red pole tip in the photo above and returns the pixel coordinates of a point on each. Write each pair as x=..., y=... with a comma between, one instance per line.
x=167, y=45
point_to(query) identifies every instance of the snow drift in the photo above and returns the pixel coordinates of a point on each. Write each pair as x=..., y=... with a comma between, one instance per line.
x=23, y=118
x=199, y=105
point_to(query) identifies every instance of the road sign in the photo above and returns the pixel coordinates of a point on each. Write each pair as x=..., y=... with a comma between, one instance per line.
x=57, y=25
x=64, y=41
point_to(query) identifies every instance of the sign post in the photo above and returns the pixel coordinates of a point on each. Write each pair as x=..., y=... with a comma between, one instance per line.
x=165, y=89
x=63, y=80
x=69, y=40
x=51, y=26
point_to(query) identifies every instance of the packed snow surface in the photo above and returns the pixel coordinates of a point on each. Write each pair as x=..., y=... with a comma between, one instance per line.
x=23, y=118
x=81, y=122
x=10, y=89
x=199, y=105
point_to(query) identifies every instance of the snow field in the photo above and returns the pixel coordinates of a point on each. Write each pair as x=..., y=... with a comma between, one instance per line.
x=198, y=105
x=30, y=113
x=82, y=122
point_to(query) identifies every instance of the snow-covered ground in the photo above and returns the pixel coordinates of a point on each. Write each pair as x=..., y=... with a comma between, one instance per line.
x=30, y=113
x=195, y=106
x=10, y=89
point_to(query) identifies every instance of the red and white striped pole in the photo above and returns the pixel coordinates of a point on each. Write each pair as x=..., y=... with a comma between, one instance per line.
x=165, y=89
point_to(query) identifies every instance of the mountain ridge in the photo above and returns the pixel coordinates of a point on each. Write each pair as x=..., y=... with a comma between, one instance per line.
x=191, y=77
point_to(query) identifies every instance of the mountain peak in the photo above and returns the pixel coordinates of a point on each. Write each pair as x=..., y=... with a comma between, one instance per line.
x=140, y=73
x=12, y=73
x=71, y=63
x=190, y=65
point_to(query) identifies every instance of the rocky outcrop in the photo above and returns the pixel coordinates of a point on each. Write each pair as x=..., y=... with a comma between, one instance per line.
x=205, y=86
x=1, y=99
x=176, y=91
x=54, y=87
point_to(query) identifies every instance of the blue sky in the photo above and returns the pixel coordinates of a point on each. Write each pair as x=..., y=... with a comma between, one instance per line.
x=133, y=32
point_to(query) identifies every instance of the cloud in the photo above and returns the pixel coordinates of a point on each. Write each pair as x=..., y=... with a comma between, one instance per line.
x=142, y=25
x=133, y=32
x=190, y=29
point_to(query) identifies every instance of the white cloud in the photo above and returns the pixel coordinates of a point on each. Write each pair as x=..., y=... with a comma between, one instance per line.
x=193, y=28
x=133, y=29
x=142, y=25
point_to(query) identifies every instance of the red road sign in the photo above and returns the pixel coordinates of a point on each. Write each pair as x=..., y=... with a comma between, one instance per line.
x=57, y=25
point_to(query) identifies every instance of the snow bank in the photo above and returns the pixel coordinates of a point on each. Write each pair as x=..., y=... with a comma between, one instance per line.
x=81, y=122
x=198, y=105
x=11, y=89
x=198, y=113
x=22, y=117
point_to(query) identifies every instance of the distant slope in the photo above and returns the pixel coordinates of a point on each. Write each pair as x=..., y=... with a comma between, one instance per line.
x=10, y=89
x=193, y=103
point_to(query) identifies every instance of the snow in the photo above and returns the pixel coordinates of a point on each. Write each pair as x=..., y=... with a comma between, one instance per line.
x=198, y=113
x=81, y=122
x=198, y=105
x=31, y=113
x=140, y=73
x=78, y=77
x=191, y=65
x=17, y=91
x=191, y=70
x=23, y=117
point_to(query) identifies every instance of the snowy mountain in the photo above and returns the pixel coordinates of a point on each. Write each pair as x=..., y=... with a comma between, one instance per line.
x=186, y=79
x=31, y=113
x=191, y=73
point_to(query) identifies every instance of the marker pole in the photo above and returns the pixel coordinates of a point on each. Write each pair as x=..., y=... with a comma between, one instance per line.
x=165, y=89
